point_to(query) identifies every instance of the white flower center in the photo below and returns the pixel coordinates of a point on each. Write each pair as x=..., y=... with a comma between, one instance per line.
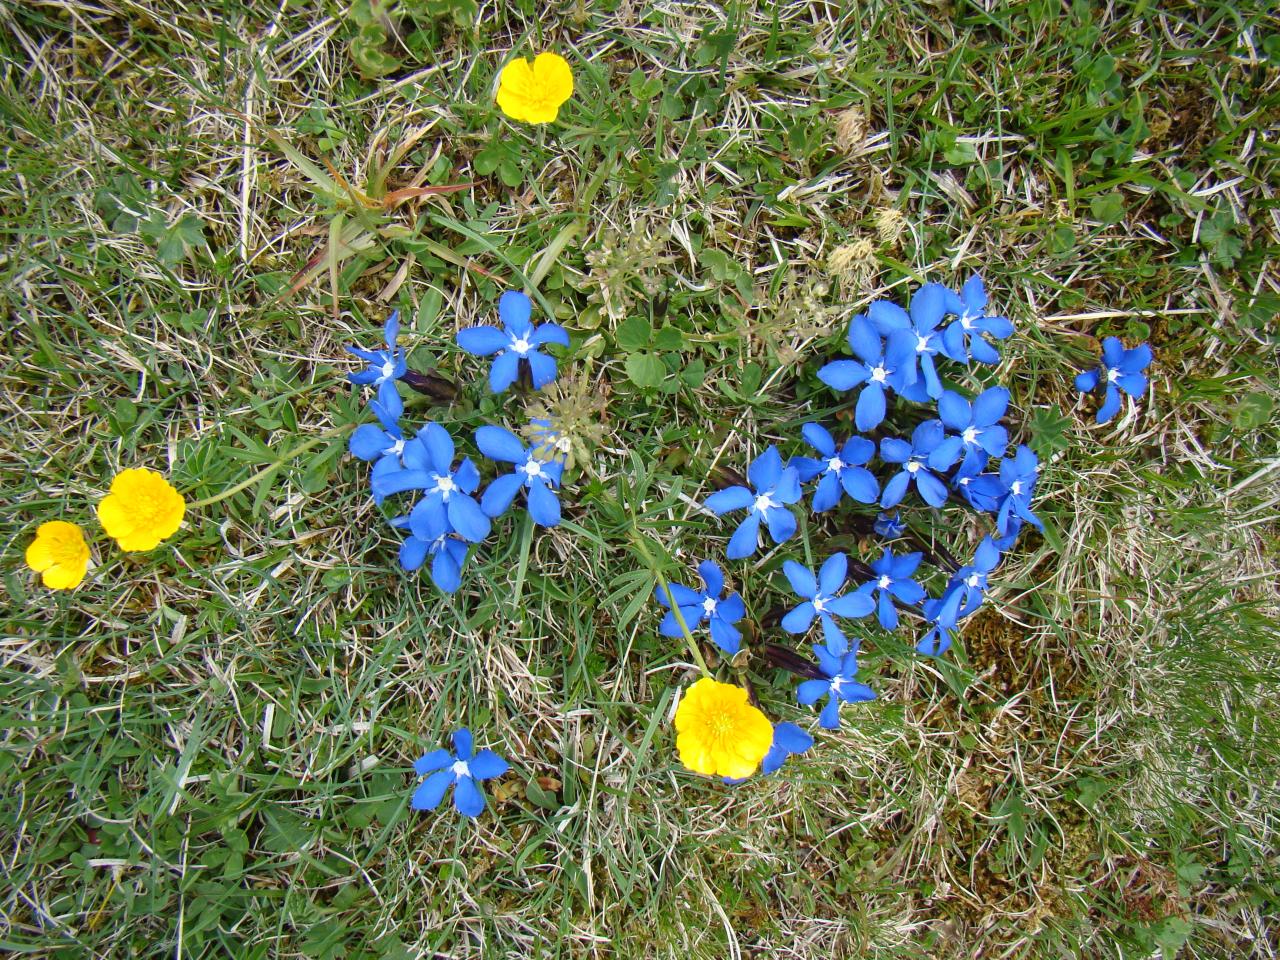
x=966, y=320
x=912, y=467
x=883, y=583
x=764, y=502
x=971, y=435
x=1015, y=488
x=836, y=684
x=532, y=468
x=922, y=344
x=445, y=485
x=395, y=449
x=1113, y=374
x=460, y=769
x=878, y=375
x=709, y=606
x=388, y=370
x=819, y=604
x=835, y=464
x=521, y=346
x=963, y=481
x=974, y=580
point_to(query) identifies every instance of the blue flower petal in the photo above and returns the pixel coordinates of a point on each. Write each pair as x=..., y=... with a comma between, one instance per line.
x=431, y=791
x=434, y=760
x=895, y=489
x=766, y=470
x=725, y=636
x=860, y=484
x=954, y=410
x=503, y=373
x=864, y=341
x=833, y=573
x=819, y=437
x=499, y=494
x=931, y=488
x=463, y=743
x=412, y=553
x=829, y=719
x=544, y=506
x=542, y=367
x=368, y=441
x=466, y=517
x=801, y=579
x=439, y=447
x=887, y=316
x=467, y=797
x=810, y=692
x=782, y=524
x=446, y=568
x=990, y=406
x=482, y=341
x=870, y=408
x=498, y=443
x=712, y=577
x=746, y=538
x=799, y=619
x=550, y=333
x=515, y=309
x=731, y=609
x=486, y=765
x=852, y=605
x=827, y=495
x=731, y=498
x=1111, y=405
x=843, y=374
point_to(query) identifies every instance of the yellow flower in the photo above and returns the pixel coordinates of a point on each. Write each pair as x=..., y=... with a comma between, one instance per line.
x=141, y=510
x=59, y=554
x=719, y=733
x=532, y=91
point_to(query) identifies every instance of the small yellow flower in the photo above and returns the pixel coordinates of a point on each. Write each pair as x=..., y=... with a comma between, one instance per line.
x=532, y=91
x=59, y=554
x=141, y=510
x=718, y=731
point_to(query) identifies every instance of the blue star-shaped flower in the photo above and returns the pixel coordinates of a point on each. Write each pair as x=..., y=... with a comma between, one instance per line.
x=788, y=740
x=447, y=552
x=881, y=365
x=820, y=598
x=720, y=612
x=928, y=307
x=463, y=770
x=889, y=526
x=446, y=500
x=518, y=340
x=937, y=640
x=978, y=433
x=841, y=471
x=1121, y=370
x=915, y=460
x=1018, y=475
x=775, y=488
x=893, y=580
x=538, y=476
x=982, y=490
x=384, y=369
x=968, y=585
x=962, y=338
x=839, y=666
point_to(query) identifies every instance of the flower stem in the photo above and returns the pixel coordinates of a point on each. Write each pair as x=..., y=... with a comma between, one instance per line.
x=643, y=550
x=273, y=465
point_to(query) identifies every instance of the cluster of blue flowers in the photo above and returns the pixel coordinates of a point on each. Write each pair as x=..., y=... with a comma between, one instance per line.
x=960, y=456
x=448, y=517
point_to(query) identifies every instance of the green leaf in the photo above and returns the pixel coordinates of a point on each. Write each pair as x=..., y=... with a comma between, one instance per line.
x=1253, y=411
x=509, y=172
x=634, y=333
x=646, y=370
x=543, y=798
x=960, y=154
x=694, y=373
x=668, y=340
x=1108, y=207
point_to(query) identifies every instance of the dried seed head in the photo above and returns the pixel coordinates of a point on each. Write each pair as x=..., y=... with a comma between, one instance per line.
x=851, y=129
x=890, y=225
x=853, y=262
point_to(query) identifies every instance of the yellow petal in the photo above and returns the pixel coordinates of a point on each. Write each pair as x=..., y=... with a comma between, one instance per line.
x=65, y=576
x=39, y=554
x=114, y=515
x=553, y=76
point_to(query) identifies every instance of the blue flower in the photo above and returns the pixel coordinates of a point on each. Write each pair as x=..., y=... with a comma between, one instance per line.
x=937, y=640
x=888, y=526
x=775, y=488
x=446, y=500
x=881, y=364
x=820, y=599
x=915, y=460
x=385, y=368
x=928, y=307
x=539, y=477
x=1121, y=370
x=841, y=471
x=788, y=740
x=978, y=431
x=962, y=338
x=1018, y=475
x=968, y=585
x=982, y=490
x=893, y=580
x=518, y=340
x=839, y=666
x=447, y=552
x=711, y=605
x=462, y=770
x=373, y=441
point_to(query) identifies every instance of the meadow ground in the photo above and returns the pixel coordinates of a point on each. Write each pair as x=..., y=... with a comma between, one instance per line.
x=207, y=748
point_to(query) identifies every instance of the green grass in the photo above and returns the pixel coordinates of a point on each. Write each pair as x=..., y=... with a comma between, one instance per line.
x=207, y=748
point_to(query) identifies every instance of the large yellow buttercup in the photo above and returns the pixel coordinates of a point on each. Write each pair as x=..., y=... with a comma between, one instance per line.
x=533, y=90
x=719, y=732
x=141, y=510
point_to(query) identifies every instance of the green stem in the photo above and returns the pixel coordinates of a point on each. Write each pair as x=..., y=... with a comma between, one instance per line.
x=273, y=465
x=675, y=607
